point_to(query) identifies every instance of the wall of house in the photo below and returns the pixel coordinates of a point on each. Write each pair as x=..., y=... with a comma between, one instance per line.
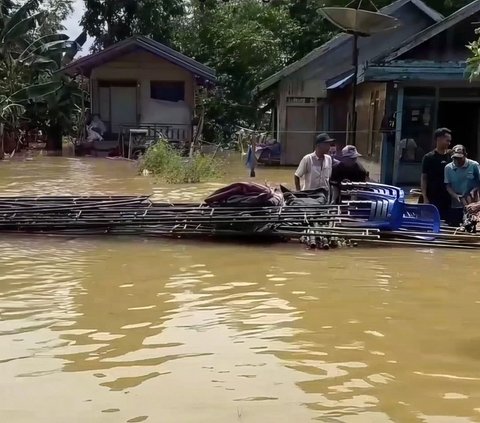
x=295, y=87
x=300, y=115
x=449, y=45
x=145, y=67
x=339, y=105
x=370, y=106
x=371, y=98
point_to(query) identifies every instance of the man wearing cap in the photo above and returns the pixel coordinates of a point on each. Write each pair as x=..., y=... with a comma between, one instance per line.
x=349, y=168
x=315, y=169
x=462, y=178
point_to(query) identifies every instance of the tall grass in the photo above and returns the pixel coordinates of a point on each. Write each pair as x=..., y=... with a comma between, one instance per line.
x=169, y=165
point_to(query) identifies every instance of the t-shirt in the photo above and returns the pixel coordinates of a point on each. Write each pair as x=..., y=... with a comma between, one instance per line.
x=462, y=179
x=354, y=173
x=433, y=165
x=315, y=172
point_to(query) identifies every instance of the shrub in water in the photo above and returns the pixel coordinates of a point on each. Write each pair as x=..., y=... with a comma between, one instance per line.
x=166, y=163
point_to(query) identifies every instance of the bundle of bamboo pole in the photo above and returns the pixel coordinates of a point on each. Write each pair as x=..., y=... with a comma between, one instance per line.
x=316, y=225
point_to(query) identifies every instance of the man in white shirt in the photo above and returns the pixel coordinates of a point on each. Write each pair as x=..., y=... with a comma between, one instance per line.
x=315, y=169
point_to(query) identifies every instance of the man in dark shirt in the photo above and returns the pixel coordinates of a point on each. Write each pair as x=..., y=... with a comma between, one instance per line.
x=349, y=169
x=434, y=190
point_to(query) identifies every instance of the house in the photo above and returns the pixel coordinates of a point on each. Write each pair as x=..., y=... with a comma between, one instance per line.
x=140, y=83
x=426, y=86
x=313, y=93
x=412, y=79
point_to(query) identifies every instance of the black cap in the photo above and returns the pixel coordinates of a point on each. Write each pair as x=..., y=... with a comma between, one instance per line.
x=323, y=138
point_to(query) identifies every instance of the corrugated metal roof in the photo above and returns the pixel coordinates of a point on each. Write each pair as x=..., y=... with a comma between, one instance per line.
x=342, y=83
x=339, y=40
x=84, y=65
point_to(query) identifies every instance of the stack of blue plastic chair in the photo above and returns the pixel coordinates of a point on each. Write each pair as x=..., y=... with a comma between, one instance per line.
x=364, y=188
x=379, y=213
x=388, y=210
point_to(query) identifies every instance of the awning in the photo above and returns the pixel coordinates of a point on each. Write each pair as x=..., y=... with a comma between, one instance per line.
x=342, y=83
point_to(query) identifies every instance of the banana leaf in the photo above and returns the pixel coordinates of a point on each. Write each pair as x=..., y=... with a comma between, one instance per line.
x=21, y=28
x=44, y=44
x=34, y=92
x=21, y=14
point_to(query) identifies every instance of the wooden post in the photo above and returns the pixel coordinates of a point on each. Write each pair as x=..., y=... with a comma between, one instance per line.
x=253, y=144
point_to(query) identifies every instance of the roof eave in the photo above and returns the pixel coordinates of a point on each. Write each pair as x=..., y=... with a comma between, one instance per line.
x=85, y=65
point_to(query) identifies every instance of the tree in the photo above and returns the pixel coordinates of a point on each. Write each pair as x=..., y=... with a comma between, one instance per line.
x=56, y=11
x=110, y=21
x=56, y=112
x=30, y=56
x=244, y=41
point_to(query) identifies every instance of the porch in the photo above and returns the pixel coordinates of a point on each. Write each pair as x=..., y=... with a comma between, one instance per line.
x=427, y=95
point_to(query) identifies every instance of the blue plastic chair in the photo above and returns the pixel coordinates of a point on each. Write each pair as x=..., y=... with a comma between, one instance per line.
x=369, y=195
x=382, y=189
x=382, y=213
x=421, y=218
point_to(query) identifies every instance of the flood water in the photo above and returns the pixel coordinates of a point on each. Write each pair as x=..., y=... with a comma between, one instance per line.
x=131, y=330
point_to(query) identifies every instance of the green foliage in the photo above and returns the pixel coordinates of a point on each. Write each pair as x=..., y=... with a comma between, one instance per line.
x=245, y=41
x=169, y=165
x=110, y=21
x=31, y=53
x=473, y=62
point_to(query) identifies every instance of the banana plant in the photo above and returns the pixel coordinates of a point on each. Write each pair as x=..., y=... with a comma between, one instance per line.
x=55, y=112
x=31, y=87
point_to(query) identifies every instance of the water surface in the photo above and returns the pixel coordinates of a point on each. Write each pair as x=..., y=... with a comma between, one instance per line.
x=131, y=330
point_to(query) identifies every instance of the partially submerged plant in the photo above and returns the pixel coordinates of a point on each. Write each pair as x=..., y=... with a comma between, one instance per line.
x=166, y=163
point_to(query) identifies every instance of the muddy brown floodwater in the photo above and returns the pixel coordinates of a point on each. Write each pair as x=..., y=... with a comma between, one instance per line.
x=130, y=330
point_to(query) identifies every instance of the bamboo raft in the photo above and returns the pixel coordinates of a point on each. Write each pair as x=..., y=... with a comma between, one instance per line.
x=318, y=226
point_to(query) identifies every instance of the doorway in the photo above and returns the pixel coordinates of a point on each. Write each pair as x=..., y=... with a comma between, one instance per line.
x=463, y=118
x=117, y=104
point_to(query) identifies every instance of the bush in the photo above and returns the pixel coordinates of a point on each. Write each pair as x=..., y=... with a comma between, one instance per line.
x=166, y=163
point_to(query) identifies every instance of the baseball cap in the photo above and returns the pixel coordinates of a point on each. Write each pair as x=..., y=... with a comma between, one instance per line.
x=459, y=151
x=323, y=138
x=350, y=152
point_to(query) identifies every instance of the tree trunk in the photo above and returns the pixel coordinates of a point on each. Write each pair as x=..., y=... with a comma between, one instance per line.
x=54, y=140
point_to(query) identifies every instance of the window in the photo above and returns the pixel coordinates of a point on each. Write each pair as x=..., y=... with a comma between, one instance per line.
x=167, y=90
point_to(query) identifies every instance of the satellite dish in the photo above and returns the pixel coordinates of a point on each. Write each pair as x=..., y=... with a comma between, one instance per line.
x=359, y=21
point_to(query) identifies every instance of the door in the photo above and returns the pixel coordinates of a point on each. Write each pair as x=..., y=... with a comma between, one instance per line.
x=123, y=111
x=300, y=133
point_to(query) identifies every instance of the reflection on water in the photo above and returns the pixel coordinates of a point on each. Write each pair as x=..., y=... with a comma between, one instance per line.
x=127, y=330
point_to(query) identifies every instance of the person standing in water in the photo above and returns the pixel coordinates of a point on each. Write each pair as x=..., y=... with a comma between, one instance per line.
x=349, y=168
x=462, y=179
x=315, y=169
x=433, y=186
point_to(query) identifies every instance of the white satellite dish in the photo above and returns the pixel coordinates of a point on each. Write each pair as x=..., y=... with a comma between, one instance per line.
x=359, y=21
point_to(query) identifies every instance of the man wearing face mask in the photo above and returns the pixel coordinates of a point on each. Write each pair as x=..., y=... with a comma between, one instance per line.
x=462, y=179
x=315, y=169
